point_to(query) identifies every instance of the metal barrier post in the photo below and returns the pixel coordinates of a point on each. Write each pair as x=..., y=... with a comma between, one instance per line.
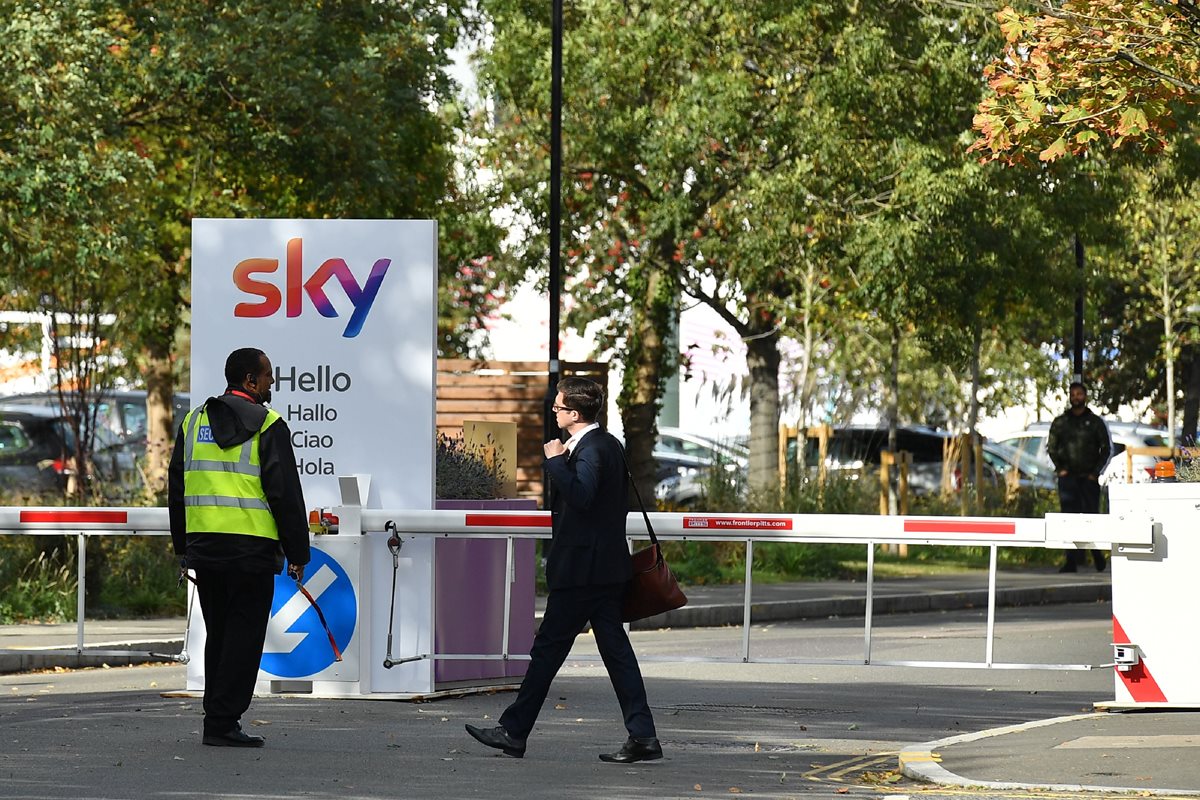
x=509, y=578
x=746, y=601
x=870, y=605
x=80, y=588
x=991, y=614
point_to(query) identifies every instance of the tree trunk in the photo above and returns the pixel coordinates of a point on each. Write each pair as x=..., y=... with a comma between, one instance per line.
x=762, y=358
x=893, y=401
x=160, y=422
x=803, y=379
x=976, y=468
x=973, y=401
x=642, y=384
x=893, y=413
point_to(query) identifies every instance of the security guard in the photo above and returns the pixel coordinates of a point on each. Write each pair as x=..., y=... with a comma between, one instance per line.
x=237, y=509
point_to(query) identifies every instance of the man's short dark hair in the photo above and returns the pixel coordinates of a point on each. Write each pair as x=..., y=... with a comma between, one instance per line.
x=582, y=394
x=1074, y=384
x=242, y=362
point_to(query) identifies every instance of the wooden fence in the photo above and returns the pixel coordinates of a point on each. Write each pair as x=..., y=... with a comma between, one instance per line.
x=505, y=391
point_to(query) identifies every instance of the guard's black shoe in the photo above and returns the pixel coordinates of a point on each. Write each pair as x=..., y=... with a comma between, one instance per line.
x=647, y=749
x=1068, y=568
x=233, y=738
x=500, y=739
x=1101, y=562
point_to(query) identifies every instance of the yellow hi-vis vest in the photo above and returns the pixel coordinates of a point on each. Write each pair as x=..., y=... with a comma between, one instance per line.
x=222, y=487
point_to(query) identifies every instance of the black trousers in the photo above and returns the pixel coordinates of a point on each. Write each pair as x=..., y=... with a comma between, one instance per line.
x=567, y=611
x=236, y=606
x=1077, y=494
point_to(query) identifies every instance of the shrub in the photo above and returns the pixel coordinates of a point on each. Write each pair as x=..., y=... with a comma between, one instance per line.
x=41, y=590
x=466, y=472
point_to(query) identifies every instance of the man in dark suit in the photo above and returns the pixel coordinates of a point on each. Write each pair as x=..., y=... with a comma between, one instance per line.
x=587, y=570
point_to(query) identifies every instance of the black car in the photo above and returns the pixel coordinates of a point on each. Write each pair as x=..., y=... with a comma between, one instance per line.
x=36, y=447
x=855, y=449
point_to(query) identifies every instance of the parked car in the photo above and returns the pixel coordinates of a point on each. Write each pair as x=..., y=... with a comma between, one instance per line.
x=856, y=448
x=694, y=445
x=37, y=448
x=683, y=460
x=120, y=427
x=123, y=412
x=1033, y=440
x=1031, y=471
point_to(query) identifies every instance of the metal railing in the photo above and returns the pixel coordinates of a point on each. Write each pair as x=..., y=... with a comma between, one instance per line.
x=1055, y=531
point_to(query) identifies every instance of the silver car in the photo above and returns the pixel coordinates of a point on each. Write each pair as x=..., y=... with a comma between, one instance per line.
x=1032, y=441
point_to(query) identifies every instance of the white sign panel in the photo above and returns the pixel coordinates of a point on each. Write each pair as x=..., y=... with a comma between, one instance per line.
x=346, y=311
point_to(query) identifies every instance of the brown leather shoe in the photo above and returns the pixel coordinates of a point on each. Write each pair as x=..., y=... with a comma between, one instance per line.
x=500, y=739
x=647, y=749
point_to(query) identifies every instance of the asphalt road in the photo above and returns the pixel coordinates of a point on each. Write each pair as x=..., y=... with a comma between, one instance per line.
x=771, y=730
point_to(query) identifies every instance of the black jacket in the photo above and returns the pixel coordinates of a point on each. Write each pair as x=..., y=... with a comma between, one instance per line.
x=234, y=420
x=1079, y=443
x=589, y=503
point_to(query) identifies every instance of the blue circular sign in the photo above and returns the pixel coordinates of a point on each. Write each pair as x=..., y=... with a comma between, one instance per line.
x=297, y=645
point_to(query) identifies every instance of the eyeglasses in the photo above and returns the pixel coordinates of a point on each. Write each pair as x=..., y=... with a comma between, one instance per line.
x=557, y=409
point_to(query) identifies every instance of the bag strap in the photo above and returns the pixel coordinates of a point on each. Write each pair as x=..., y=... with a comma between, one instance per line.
x=637, y=494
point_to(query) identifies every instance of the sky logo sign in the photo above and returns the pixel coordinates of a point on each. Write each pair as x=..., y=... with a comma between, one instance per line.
x=361, y=297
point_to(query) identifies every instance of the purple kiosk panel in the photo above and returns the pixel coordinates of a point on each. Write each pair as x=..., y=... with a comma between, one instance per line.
x=469, y=599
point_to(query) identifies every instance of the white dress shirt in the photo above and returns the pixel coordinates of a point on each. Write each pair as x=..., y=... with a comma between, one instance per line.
x=574, y=440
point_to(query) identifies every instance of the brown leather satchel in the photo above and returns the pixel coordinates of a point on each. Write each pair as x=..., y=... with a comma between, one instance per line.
x=653, y=588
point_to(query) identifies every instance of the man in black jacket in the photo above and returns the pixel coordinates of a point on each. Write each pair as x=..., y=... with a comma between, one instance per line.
x=1080, y=447
x=587, y=570
x=236, y=509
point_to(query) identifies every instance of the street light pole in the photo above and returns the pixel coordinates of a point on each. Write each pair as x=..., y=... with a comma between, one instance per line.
x=555, y=283
x=1079, y=310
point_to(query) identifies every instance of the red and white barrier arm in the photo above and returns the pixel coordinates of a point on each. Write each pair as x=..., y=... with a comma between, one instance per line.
x=847, y=528
x=1057, y=530
x=60, y=520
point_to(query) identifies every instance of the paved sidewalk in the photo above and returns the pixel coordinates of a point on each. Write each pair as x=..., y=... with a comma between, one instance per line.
x=1147, y=752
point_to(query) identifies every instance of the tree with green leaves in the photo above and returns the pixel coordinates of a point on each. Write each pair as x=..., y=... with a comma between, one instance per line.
x=701, y=144
x=181, y=110
x=66, y=211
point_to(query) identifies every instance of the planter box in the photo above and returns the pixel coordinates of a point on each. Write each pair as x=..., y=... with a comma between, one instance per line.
x=469, y=600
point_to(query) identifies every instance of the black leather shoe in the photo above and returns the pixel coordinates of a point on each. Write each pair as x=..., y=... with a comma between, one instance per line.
x=635, y=750
x=500, y=739
x=233, y=738
x=1101, y=562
